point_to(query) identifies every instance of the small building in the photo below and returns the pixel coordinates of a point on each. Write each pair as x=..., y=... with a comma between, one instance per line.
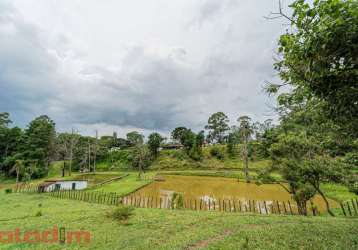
x=53, y=185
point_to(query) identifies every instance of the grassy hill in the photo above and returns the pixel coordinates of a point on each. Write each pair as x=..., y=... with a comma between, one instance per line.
x=178, y=160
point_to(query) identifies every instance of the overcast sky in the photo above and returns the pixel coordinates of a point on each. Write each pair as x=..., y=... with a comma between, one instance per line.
x=122, y=65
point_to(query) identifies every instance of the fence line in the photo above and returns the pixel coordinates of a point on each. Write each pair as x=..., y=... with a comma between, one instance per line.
x=349, y=208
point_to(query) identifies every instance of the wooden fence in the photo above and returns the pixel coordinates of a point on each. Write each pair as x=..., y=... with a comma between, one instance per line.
x=80, y=195
x=224, y=205
x=350, y=207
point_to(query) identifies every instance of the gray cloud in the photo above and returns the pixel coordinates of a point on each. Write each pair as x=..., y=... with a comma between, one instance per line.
x=148, y=88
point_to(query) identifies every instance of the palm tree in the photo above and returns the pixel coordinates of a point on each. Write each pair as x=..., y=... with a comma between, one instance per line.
x=245, y=132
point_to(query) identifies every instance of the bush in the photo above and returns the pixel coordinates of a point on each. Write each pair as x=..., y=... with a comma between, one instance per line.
x=265, y=177
x=217, y=153
x=121, y=213
x=177, y=201
x=38, y=214
x=195, y=154
x=353, y=186
x=8, y=191
x=351, y=158
x=179, y=155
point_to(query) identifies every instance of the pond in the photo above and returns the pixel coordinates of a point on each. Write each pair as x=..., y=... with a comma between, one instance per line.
x=222, y=193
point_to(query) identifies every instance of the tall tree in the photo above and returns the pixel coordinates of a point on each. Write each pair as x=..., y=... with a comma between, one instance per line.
x=135, y=138
x=217, y=126
x=40, y=143
x=233, y=140
x=154, y=141
x=66, y=142
x=245, y=132
x=318, y=57
x=178, y=134
x=141, y=158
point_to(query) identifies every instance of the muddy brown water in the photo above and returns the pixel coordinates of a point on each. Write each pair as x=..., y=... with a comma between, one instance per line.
x=215, y=190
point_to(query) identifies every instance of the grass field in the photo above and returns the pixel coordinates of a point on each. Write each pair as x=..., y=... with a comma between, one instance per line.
x=172, y=229
x=128, y=184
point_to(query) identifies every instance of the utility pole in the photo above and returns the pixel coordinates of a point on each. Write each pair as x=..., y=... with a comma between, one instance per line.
x=95, y=152
x=89, y=155
x=71, y=152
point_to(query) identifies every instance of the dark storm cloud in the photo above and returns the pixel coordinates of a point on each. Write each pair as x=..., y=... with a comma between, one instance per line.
x=150, y=90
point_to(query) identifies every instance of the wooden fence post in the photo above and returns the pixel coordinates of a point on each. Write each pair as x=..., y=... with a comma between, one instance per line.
x=265, y=207
x=259, y=207
x=284, y=207
x=289, y=205
x=354, y=207
x=349, y=209
x=278, y=207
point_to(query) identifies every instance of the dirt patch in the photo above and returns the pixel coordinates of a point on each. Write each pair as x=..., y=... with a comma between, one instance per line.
x=205, y=243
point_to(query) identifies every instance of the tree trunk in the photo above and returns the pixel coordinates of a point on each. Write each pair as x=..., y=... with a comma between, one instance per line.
x=325, y=201
x=17, y=176
x=246, y=161
x=63, y=168
x=302, y=207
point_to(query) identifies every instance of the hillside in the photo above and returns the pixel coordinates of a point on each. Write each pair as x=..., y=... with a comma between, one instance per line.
x=179, y=160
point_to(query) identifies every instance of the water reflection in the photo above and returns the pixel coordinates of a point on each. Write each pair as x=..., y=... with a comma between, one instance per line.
x=225, y=194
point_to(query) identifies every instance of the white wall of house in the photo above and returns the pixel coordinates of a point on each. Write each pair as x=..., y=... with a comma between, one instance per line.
x=67, y=185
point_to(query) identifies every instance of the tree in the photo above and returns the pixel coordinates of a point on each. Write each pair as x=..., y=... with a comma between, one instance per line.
x=321, y=169
x=217, y=126
x=265, y=135
x=178, y=134
x=200, y=138
x=4, y=119
x=66, y=142
x=232, y=140
x=154, y=141
x=135, y=138
x=19, y=168
x=141, y=158
x=192, y=144
x=318, y=57
x=245, y=132
x=40, y=143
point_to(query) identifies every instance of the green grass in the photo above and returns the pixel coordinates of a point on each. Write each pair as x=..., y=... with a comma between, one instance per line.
x=178, y=160
x=127, y=185
x=95, y=179
x=172, y=229
x=238, y=174
x=338, y=192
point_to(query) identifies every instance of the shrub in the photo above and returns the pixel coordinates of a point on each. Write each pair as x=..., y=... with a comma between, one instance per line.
x=351, y=158
x=265, y=177
x=178, y=154
x=121, y=213
x=177, y=201
x=8, y=191
x=195, y=154
x=38, y=214
x=217, y=153
x=353, y=187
